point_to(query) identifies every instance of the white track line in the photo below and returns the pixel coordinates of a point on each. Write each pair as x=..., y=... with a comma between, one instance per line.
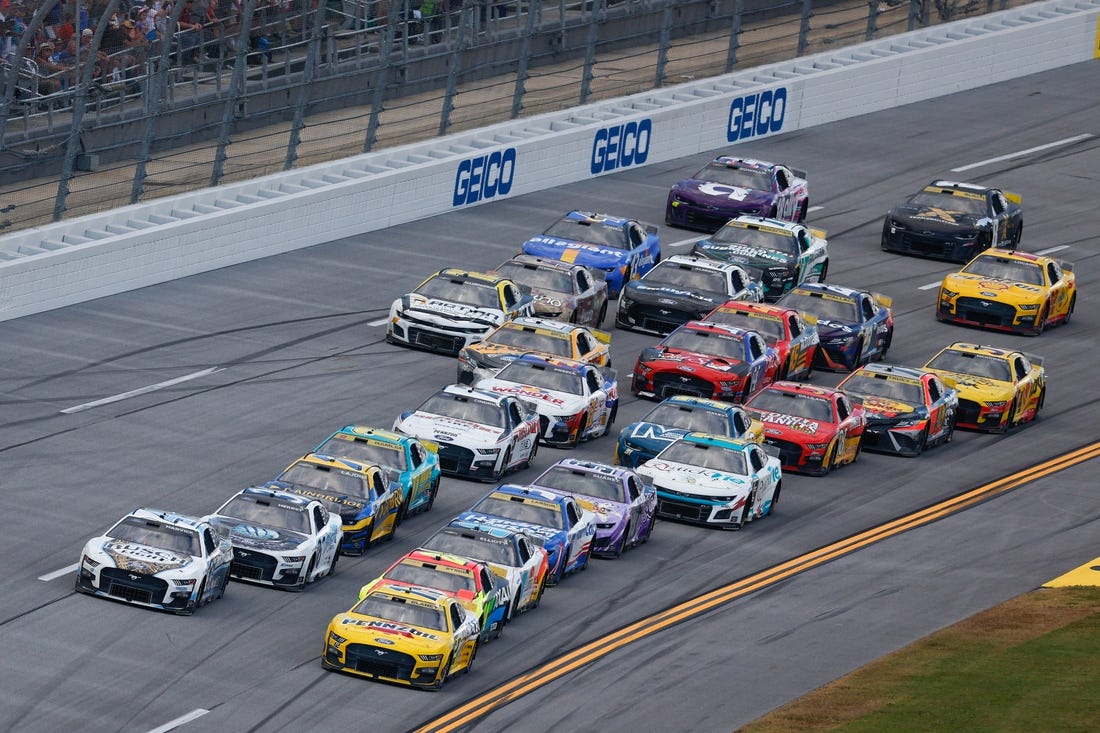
x=379, y=322
x=684, y=242
x=1052, y=250
x=59, y=573
x=929, y=286
x=1021, y=153
x=181, y=720
x=141, y=391
x=814, y=208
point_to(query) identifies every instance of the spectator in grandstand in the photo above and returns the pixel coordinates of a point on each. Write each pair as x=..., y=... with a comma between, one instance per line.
x=51, y=71
x=189, y=28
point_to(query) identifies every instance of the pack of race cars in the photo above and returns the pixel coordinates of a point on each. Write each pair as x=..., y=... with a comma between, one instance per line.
x=743, y=322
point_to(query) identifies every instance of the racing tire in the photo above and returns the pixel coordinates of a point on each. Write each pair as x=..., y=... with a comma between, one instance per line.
x=199, y=601
x=580, y=433
x=610, y=420
x=402, y=513
x=1017, y=236
x=740, y=523
x=1069, y=313
x=302, y=581
x=803, y=210
x=587, y=557
x=531, y=458
x=922, y=443
x=224, y=586
x=775, y=498
x=1039, y=404
x=649, y=532
x=433, y=490
x=950, y=434
x=538, y=596
x=438, y=684
x=830, y=460
x=886, y=346
x=332, y=565
x=747, y=392
x=498, y=475
x=1010, y=421
x=560, y=575
x=617, y=551
x=470, y=662
x=1040, y=321
x=824, y=272
x=602, y=315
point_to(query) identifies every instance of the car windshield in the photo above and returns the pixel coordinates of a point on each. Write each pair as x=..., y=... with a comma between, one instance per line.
x=397, y=610
x=532, y=512
x=531, y=340
x=752, y=178
x=714, y=457
x=692, y=419
x=430, y=576
x=327, y=478
x=267, y=512
x=788, y=403
x=706, y=342
x=538, y=278
x=592, y=232
x=950, y=203
x=543, y=377
x=461, y=407
x=770, y=327
x=585, y=483
x=1003, y=268
x=157, y=534
x=909, y=391
x=498, y=551
x=361, y=450
x=826, y=307
x=977, y=365
x=751, y=236
x=461, y=290
x=686, y=277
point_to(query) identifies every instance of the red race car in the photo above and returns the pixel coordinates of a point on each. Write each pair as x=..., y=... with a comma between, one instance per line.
x=815, y=428
x=783, y=328
x=705, y=360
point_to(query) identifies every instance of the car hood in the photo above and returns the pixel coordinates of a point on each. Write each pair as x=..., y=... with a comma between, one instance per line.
x=570, y=250
x=694, y=479
x=548, y=536
x=359, y=629
x=753, y=259
x=607, y=512
x=992, y=288
x=259, y=536
x=932, y=219
x=450, y=430
x=972, y=386
x=642, y=292
x=545, y=401
x=884, y=407
x=688, y=361
x=343, y=504
x=651, y=436
x=449, y=312
x=801, y=429
x=720, y=195
x=127, y=555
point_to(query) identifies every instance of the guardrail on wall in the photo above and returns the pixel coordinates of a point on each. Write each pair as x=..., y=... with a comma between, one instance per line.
x=147, y=243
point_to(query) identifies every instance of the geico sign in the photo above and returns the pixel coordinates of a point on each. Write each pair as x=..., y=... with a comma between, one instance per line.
x=485, y=176
x=621, y=146
x=757, y=114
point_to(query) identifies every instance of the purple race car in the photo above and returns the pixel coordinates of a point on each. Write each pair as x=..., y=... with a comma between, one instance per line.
x=625, y=507
x=728, y=187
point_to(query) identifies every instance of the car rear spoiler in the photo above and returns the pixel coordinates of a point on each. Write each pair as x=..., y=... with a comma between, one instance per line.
x=884, y=300
x=1033, y=358
x=1013, y=197
x=604, y=337
x=800, y=173
x=819, y=233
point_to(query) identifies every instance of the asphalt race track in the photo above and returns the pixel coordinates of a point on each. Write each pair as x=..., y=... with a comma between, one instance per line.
x=299, y=352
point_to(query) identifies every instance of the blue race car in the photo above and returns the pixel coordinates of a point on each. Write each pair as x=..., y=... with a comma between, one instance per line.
x=676, y=417
x=623, y=249
x=854, y=326
x=415, y=465
x=565, y=528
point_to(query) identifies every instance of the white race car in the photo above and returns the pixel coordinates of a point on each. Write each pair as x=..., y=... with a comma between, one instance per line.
x=514, y=555
x=280, y=539
x=454, y=308
x=575, y=401
x=710, y=479
x=479, y=434
x=157, y=559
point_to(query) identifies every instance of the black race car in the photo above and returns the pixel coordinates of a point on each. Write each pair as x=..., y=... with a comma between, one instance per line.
x=954, y=221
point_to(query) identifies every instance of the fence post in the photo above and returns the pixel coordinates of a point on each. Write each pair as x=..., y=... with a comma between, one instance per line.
x=381, y=79
x=804, y=26
x=735, y=34
x=313, y=57
x=872, y=20
x=666, y=41
x=534, y=10
x=233, y=94
x=590, y=50
x=915, y=14
x=465, y=26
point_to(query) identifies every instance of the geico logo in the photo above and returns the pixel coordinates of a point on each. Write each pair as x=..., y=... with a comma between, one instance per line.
x=485, y=176
x=757, y=114
x=621, y=146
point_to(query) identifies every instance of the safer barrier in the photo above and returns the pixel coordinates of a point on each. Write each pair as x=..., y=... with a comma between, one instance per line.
x=164, y=239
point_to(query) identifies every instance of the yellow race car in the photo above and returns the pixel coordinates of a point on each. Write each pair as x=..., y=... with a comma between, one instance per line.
x=1012, y=291
x=998, y=388
x=408, y=635
x=540, y=336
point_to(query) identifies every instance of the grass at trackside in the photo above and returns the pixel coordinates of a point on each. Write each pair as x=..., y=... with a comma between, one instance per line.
x=1031, y=665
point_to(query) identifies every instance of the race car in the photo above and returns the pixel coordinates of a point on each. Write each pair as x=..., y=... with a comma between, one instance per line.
x=412, y=636
x=471, y=582
x=415, y=464
x=513, y=555
x=564, y=291
x=779, y=254
x=954, y=221
x=453, y=308
x=623, y=504
x=540, y=336
x=712, y=480
x=1009, y=291
x=998, y=388
x=784, y=329
x=853, y=326
x=564, y=528
x=816, y=429
x=157, y=559
x=681, y=289
x=279, y=539
x=677, y=416
x=622, y=249
x=729, y=186
x=574, y=401
x=477, y=434
x=367, y=498
x=907, y=409
x=705, y=360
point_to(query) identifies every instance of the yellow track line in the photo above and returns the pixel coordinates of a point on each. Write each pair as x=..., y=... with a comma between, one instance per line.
x=593, y=650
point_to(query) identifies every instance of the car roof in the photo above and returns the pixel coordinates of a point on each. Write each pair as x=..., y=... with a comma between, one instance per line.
x=702, y=263
x=722, y=328
x=175, y=519
x=459, y=274
x=263, y=492
x=720, y=441
x=594, y=217
x=543, y=325
x=586, y=466
x=463, y=390
x=543, y=263
x=901, y=371
x=751, y=221
x=526, y=492
x=364, y=431
x=321, y=459
x=735, y=162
